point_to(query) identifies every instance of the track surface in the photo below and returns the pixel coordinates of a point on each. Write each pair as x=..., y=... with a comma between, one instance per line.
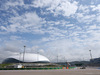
x=88, y=71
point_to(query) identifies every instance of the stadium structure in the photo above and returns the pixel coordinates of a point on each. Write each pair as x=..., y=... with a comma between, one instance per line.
x=28, y=58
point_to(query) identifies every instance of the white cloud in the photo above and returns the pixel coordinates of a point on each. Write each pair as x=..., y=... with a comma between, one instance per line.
x=66, y=8
x=15, y=37
x=96, y=8
x=93, y=27
x=28, y=22
x=85, y=18
x=85, y=14
x=11, y=46
x=41, y=51
x=65, y=48
x=42, y=3
x=58, y=7
x=32, y=23
x=31, y=19
x=28, y=19
x=84, y=9
x=76, y=48
x=35, y=49
x=70, y=49
x=3, y=28
x=70, y=25
x=66, y=38
x=10, y=4
x=98, y=18
x=15, y=3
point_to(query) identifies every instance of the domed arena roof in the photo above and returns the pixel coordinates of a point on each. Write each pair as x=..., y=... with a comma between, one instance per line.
x=28, y=58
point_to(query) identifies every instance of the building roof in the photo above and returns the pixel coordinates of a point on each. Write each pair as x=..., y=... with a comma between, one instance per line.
x=28, y=57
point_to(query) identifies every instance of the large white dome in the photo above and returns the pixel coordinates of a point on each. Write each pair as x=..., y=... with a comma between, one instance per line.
x=29, y=57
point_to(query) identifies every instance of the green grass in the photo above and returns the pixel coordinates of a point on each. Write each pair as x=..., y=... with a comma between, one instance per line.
x=4, y=65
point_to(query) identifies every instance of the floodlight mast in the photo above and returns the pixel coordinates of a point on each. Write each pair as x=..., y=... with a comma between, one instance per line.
x=90, y=54
x=24, y=54
x=19, y=57
x=37, y=56
x=57, y=58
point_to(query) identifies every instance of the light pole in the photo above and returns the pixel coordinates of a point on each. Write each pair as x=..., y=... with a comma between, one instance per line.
x=37, y=56
x=24, y=53
x=90, y=54
x=57, y=58
x=19, y=57
x=64, y=59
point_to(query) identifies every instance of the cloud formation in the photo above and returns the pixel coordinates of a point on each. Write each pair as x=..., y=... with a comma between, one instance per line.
x=63, y=28
x=57, y=7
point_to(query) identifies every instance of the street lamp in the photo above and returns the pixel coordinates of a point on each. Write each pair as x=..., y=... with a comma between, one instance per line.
x=24, y=53
x=90, y=54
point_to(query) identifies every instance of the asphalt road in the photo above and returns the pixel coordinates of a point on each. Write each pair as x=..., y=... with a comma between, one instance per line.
x=88, y=71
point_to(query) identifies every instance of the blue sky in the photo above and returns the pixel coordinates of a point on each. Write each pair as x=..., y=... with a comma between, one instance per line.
x=64, y=28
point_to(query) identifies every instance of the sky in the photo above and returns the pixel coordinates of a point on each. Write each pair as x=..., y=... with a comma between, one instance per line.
x=66, y=29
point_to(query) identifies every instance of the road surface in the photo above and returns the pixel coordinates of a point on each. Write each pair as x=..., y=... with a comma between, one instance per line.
x=88, y=71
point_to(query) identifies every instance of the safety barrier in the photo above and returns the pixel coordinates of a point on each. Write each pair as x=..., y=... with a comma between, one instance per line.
x=38, y=68
x=45, y=68
x=71, y=67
